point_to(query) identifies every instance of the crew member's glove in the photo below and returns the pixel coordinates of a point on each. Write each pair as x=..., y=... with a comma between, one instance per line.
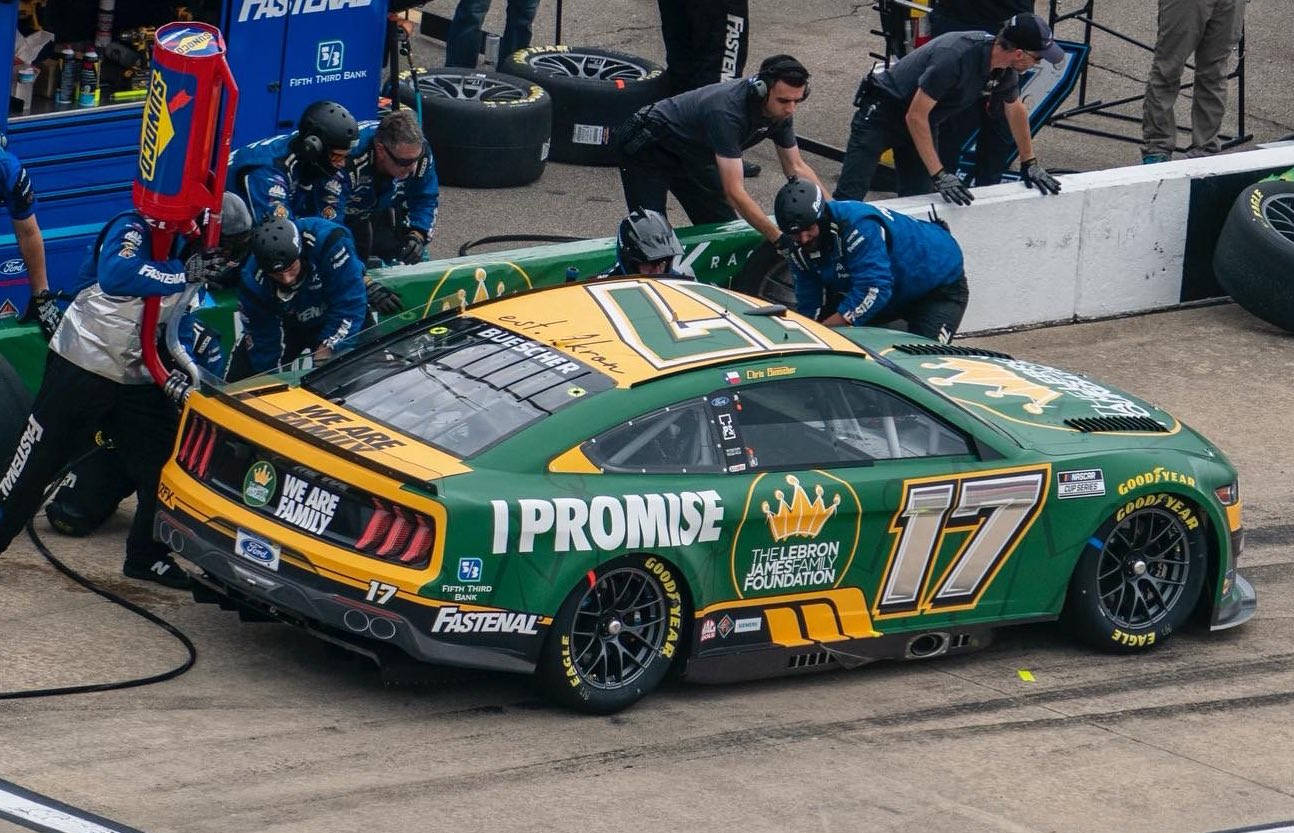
x=786, y=246
x=951, y=188
x=381, y=299
x=1034, y=175
x=177, y=387
x=414, y=242
x=43, y=309
x=206, y=266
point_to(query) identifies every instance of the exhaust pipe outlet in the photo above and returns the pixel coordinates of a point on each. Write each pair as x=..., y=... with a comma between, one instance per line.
x=381, y=627
x=927, y=645
x=355, y=620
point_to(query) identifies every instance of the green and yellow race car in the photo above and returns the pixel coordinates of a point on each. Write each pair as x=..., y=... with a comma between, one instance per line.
x=598, y=481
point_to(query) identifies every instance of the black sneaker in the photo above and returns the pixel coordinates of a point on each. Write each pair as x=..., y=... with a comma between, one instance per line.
x=162, y=570
x=750, y=170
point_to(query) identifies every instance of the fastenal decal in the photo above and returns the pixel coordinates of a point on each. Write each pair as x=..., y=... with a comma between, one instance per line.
x=306, y=507
x=606, y=523
x=259, y=484
x=450, y=619
x=803, y=543
x=257, y=9
x=1080, y=483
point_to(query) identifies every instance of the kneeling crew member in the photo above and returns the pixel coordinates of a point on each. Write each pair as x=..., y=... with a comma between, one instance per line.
x=95, y=378
x=392, y=192
x=647, y=245
x=302, y=290
x=902, y=107
x=884, y=266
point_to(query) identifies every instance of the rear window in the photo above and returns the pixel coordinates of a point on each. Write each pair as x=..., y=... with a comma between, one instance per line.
x=461, y=385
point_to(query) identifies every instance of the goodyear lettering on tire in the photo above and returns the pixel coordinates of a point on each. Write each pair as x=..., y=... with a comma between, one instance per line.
x=662, y=573
x=1171, y=503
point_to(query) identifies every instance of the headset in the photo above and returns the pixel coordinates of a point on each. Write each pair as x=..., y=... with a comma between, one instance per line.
x=772, y=70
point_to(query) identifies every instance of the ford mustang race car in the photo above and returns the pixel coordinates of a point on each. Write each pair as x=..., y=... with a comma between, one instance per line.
x=598, y=481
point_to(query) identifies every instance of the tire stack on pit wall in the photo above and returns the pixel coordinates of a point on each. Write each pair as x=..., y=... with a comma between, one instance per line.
x=1254, y=258
x=486, y=129
x=593, y=92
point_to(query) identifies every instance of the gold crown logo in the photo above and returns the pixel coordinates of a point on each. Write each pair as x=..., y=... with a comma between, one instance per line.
x=801, y=516
x=1003, y=380
x=261, y=475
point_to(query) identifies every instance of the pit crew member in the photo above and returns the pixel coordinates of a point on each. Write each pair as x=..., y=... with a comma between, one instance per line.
x=95, y=377
x=20, y=199
x=391, y=189
x=647, y=245
x=902, y=107
x=298, y=174
x=884, y=266
x=302, y=290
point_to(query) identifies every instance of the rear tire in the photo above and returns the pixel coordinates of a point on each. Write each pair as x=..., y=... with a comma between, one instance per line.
x=1142, y=582
x=1254, y=258
x=594, y=91
x=767, y=275
x=614, y=639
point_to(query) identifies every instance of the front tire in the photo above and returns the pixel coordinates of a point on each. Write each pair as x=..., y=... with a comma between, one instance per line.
x=1141, y=583
x=615, y=636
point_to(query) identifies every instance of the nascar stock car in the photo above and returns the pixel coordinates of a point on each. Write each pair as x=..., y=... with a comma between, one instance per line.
x=599, y=481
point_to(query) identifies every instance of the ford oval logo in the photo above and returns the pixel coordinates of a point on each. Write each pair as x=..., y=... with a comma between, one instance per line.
x=12, y=266
x=258, y=551
x=720, y=401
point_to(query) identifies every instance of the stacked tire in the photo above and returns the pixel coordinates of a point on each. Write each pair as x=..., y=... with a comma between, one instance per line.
x=486, y=129
x=1254, y=258
x=593, y=92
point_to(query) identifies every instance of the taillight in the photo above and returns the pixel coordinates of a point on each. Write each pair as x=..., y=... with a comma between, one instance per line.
x=396, y=534
x=197, y=445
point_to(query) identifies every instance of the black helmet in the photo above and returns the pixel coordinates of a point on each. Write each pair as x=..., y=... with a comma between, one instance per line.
x=276, y=243
x=798, y=206
x=644, y=236
x=324, y=126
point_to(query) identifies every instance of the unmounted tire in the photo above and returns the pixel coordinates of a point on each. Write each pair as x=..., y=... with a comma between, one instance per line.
x=1142, y=582
x=614, y=640
x=15, y=405
x=1254, y=258
x=593, y=90
x=486, y=129
x=767, y=275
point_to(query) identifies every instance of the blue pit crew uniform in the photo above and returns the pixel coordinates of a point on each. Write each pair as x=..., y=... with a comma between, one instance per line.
x=271, y=179
x=327, y=305
x=15, y=187
x=95, y=379
x=382, y=212
x=884, y=266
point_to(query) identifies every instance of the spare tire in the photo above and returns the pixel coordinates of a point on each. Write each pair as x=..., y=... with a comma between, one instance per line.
x=15, y=405
x=1254, y=258
x=593, y=90
x=486, y=129
x=767, y=275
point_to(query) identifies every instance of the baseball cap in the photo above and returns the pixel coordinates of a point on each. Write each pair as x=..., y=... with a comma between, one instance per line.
x=1032, y=34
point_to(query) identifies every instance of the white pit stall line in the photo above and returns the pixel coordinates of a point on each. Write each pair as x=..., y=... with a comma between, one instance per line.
x=47, y=815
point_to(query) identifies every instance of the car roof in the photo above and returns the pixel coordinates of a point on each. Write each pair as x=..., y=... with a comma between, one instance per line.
x=636, y=329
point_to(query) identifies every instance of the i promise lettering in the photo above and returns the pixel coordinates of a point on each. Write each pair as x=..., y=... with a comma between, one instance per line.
x=610, y=523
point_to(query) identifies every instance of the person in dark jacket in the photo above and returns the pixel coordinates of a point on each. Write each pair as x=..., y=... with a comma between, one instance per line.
x=302, y=290
x=881, y=266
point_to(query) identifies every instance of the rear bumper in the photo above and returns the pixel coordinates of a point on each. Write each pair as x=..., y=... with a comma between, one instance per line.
x=332, y=610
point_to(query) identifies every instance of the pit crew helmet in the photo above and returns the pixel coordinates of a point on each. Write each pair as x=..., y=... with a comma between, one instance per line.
x=799, y=205
x=276, y=243
x=324, y=126
x=645, y=236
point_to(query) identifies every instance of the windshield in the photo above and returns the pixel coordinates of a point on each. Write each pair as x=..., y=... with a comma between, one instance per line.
x=460, y=384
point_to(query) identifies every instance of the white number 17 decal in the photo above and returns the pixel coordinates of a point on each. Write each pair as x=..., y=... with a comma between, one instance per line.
x=996, y=510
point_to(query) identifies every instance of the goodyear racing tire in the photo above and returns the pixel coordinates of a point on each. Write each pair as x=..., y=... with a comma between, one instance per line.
x=15, y=405
x=486, y=129
x=767, y=275
x=1254, y=258
x=614, y=639
x=594, y=91
x=1143, y=580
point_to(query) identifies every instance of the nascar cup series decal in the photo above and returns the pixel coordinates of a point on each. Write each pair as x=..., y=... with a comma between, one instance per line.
x=799, y=533
x=259, y=483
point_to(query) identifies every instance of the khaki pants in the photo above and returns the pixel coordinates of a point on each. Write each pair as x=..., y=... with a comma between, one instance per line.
x=1206, y=28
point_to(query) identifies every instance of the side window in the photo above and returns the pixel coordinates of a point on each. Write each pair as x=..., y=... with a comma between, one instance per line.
x=808, y=422
x=676, y=439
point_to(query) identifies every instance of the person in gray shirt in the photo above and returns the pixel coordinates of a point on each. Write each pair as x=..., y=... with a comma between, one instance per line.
x=691, y=144
x=901, y=108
